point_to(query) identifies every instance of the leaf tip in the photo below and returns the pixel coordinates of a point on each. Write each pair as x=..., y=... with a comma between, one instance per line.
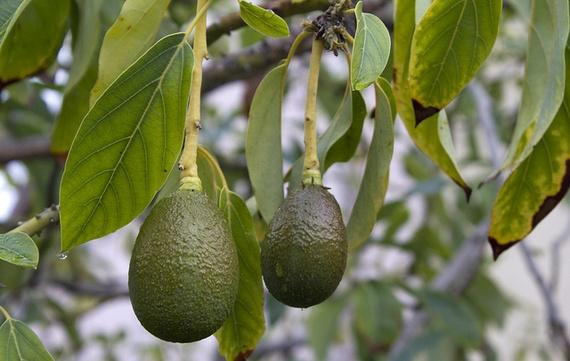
x=498, y=248
x=242, y=356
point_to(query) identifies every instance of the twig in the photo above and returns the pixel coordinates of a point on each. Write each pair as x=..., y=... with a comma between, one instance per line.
x=39, y=222
x=555, y=261
x=25, y=148
x=106, y=290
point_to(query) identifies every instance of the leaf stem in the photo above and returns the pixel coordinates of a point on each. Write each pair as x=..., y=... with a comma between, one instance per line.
x=198, y=16
x=311, y=168
x=293, y=49
x=5, y=313
x=39, y=222
x=189, y=176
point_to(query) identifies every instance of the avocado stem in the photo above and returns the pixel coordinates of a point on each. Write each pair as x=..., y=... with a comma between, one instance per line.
x=311, y=167
x=189, y=170
x=39, y=222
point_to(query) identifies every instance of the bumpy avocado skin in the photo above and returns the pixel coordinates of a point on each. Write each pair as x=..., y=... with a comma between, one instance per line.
x=184, y=273
x=303, y=256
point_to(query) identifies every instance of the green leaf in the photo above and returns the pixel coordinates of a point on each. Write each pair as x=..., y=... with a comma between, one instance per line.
x=263, y=142
x=262, y=20
x=243, y=329
x=374, y=182
x=377, y=313
x=131, y=35
x=210, y=173
x=322, y=325
x=488, y=301
x=432, y=136
x=19, y=343
x=543, y=86
x=454, y=317
x=371, y=49
x=19, y=249
x=449, y=45
x=30, y=36
x=537, y=185
x=127, y=144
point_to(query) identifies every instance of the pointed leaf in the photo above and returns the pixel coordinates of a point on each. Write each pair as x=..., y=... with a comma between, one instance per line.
x=262, y=20
x=543, y=87
x=243, y=329
x=19, y=249
x=428, y=135
x=371, y=49
x=19, y=343
x=131, y=35
x=30, y=36
x=374, y=182
x=263, y=142
x=537, y=185
x=452, y=40
x=127, y=144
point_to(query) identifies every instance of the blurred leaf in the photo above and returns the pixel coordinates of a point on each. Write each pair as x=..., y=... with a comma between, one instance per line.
x=538, y=184
x=432, y=136
x=322, y=325
x=30, y=36
x=371, y=49
x=374, y=183
x=395, y=215
x=19, y=343
x=263, y=143
x=487, y=300
x=454, y=316
x=419, y=344
x=275, y=309
x=449, y=45
x=19, y=249
x=131, y=35
x=125, y=148
x=262, y=20
x=377, y=314
x=243, y=329
x=543, y=86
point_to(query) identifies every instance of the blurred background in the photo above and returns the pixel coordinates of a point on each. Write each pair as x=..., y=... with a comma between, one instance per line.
x=423, y=287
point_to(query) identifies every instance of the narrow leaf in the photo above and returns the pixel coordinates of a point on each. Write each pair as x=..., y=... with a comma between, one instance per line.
x=449, y=45
x=371, y=49
x=537, y=185
x=263, y=142
x=262, y=20
x=127, y=144
x=543, y=86
x=19, y=249
x=426, y=136
x=131, y=35
x=30, y=36
x=19, y=343
x=243, y=329
x=211, y=175
x=374, y=182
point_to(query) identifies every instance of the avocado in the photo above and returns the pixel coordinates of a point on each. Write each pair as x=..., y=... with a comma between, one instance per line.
x=184, y=273
x=303, y=256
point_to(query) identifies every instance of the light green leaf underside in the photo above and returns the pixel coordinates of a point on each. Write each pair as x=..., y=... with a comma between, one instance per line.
x=374, y=182
x=131, y=35
x=127, y=144
x=371, y=49
x=19, y=343
x=263, y=142
x=449, y=45
x=426, y=136
x=262, y=20
x=31, y=37
x=537, y=185
x=19, y=249
x=243, y=329
x=543, y=86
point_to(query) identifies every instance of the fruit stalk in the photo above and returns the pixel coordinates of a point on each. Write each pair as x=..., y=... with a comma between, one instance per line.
x=311, y=168
x=189, y=175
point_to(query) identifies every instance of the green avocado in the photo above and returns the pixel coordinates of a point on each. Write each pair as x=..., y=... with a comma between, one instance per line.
x=303, y=256
x=184, y=273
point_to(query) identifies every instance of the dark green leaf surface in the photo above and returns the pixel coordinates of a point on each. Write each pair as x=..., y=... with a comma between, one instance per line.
x=19, y=249
x=371, y=49
x=374, y=182
x=262, y=20
x=30, y=36
x=19, y=343
x=127, y=144
x=244, y=327
x=263, y=143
